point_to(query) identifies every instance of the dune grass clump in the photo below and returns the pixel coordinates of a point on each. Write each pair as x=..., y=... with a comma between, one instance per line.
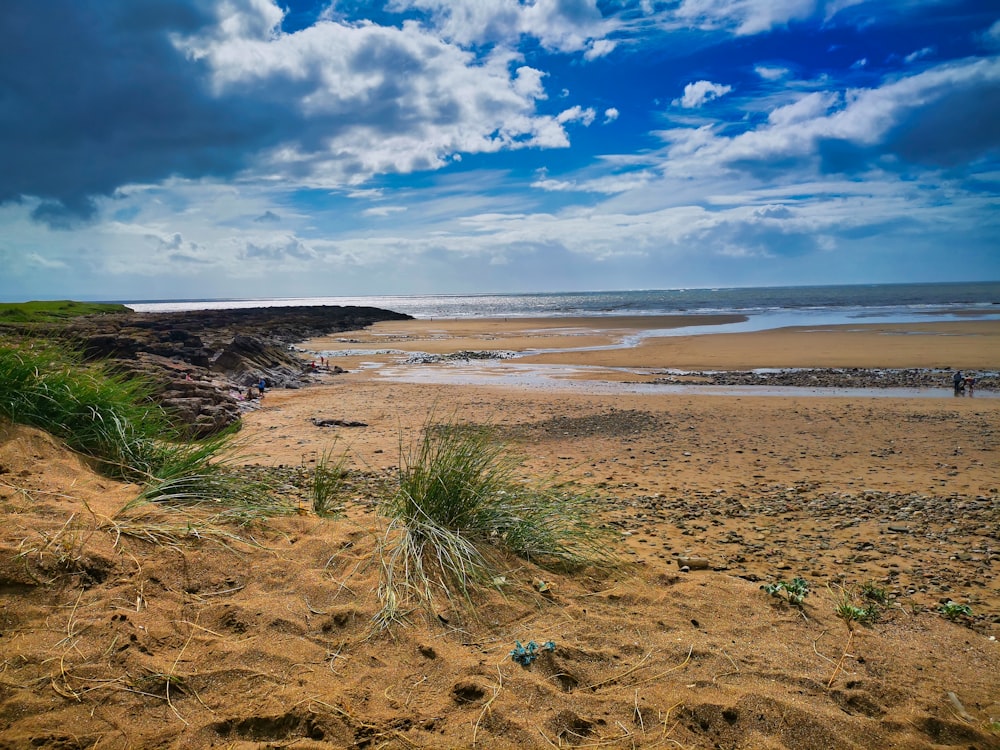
x=328, y=479
x=462, y=509
x=102, y=415
x=113, y=420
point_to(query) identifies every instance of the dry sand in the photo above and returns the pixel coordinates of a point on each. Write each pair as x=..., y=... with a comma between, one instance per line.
x=110, y=641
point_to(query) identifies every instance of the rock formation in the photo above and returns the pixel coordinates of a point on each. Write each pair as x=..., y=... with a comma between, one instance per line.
x=203, y=362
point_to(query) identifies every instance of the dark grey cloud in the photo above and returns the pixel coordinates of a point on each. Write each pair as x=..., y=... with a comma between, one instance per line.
x=95, y=96
x=943, y=118
x=187, y=258
x=956, y=129
x=283, y=249
x=100, y=94
x=960, y=127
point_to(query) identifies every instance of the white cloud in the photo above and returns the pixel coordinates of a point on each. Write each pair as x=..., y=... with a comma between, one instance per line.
x=805, y=108
x=48, y=264
x=919, y=54
x=303, y=121
x=374, y=99
x=561, y=26
x=383, y=210
x=992, y=36
x=577, y=114
x=700, y=92
x=745, y=16
x=771, y=72
x=862, y=118
x=599, y=48
x=607, y=185
x=528, y=83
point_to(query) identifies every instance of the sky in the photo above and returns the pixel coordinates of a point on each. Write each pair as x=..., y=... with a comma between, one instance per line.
x=182, y=149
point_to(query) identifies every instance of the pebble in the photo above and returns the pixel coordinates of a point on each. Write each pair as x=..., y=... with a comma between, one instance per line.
x=692, y=563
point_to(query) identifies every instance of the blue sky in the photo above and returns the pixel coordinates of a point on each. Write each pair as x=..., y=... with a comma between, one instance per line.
x=157, y=149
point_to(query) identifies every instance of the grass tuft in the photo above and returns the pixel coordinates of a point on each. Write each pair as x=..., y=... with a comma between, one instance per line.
x=103, y=415
x=113, y=420
x=461, y=508
x=327, y=482
x=866, y=605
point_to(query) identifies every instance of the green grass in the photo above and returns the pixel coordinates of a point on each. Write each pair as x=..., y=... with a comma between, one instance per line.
x=866, y=604
x=99, y=414
x=54, y=311
x=113, y=421
x=327, y=481
x=462, y=510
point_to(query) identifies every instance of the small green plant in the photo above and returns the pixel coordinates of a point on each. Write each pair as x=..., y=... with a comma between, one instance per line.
x=327, y=482
x=865, y=605
x=852, y=613
x=870, y=592
x=525, y=655
x=793, y=592
x=954, y=610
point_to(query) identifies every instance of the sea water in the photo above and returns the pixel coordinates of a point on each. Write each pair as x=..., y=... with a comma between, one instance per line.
x=762, y=307
x=765, y=307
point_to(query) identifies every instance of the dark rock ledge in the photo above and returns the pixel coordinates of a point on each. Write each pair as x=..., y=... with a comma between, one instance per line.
x=203, y=362
x=852, y=377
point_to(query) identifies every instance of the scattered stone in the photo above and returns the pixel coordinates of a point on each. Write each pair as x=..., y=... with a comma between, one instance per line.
x=851, y=377
x=337, y=423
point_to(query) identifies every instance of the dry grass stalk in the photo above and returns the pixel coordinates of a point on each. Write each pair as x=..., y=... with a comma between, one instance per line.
x=843, y=656
x=488, y=706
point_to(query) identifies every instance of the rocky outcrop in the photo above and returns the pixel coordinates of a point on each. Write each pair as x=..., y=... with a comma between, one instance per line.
x=199, y=401
x=202, y=363
x=853, y=377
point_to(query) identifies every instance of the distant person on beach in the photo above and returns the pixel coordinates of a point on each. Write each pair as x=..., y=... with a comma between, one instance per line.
x=970, y=383
x=261, y=385
x=958, y=382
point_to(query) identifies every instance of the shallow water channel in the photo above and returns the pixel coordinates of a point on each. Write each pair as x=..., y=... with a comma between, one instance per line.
x=508, y=373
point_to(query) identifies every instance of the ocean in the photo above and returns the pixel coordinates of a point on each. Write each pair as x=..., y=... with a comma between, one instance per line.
x=765, y=307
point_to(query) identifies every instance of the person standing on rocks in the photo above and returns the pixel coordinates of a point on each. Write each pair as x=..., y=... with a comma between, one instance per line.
x=958, y=382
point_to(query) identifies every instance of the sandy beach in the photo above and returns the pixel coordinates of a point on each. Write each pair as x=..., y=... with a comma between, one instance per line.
x=272, y=644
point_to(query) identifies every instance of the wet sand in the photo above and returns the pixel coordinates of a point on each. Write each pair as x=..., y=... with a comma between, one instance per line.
x=963, y=344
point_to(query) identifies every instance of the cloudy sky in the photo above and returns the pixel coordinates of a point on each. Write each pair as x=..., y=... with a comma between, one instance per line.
x=157, y=149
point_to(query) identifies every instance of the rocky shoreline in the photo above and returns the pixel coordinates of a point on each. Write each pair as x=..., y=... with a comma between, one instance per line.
x=854, y=377
x=202, y=363
x=825, y=377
